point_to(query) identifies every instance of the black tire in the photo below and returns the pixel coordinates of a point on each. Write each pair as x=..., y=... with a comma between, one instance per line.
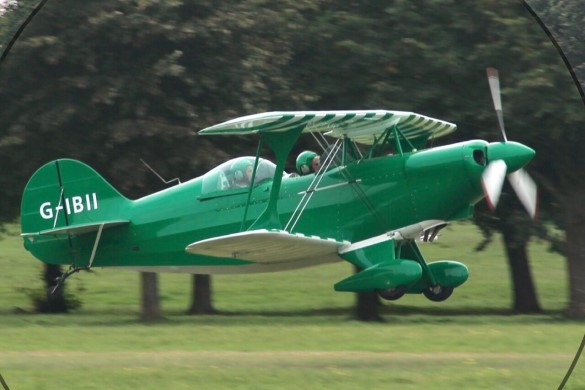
x=438, y=293
x=392, y=294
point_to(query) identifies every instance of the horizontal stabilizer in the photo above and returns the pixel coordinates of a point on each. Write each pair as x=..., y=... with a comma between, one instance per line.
x=76, y=229
x=268, y=246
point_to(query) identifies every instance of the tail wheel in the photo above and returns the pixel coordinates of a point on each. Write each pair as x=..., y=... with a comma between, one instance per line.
x=392, y=294
x=438, y=293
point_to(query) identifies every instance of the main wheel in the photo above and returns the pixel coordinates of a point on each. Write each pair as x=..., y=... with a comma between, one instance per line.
x=438, y=293
x=392, y=294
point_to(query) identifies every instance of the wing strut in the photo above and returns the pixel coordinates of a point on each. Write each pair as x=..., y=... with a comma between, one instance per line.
x=251, y=186
x=281, y=144
x=95, y=245
x=296, y=215
x=331, y=159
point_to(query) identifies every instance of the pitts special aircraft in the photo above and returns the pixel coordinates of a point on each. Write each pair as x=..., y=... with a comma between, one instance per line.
x=376, y=192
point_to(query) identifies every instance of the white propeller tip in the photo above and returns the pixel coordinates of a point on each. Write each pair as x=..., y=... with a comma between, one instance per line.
x=526, y=191
x=492, y=181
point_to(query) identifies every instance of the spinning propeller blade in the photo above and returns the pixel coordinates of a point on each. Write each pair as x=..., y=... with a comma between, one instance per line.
x=492, y=181
x=494, y=81
x=492, y=178
x=526, y=191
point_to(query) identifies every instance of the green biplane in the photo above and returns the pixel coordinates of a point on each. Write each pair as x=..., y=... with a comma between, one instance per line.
x=377, y=192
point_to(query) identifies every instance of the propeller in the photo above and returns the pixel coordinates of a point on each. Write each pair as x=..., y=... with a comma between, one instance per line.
x=492, y=181
x=494, y=81
x=507, y=156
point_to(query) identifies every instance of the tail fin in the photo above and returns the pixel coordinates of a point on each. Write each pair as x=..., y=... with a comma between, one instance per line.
x=67, y=196
x=65, y=207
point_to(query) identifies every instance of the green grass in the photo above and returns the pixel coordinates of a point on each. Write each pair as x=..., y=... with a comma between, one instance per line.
x=291, y=330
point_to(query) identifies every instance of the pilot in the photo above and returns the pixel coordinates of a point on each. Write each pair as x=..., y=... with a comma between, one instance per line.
x=242, y=171
x=308, y=162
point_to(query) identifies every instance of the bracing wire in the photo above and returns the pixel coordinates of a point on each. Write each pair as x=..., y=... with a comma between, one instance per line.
x=330, y=159
x=297, y=213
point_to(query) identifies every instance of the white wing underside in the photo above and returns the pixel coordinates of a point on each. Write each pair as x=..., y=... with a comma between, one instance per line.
x=268, y=246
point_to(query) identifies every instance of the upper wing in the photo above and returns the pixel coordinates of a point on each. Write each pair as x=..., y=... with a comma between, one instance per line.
x=267, y=246
x=363, y=126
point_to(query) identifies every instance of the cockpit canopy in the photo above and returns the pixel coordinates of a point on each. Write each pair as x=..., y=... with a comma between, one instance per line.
x=237, y=173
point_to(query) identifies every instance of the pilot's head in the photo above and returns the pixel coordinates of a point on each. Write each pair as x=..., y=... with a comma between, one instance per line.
x=307, y=162
x=242, y=171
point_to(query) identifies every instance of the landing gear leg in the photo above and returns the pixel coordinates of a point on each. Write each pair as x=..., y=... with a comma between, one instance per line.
x=435, y=292
x=421, y=260
x=61, y=279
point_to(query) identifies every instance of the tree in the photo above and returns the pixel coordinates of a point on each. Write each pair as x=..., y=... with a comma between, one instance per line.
x=13, y=14
x=201, y=297
x=138, y=77
x=510, y=221
x=150, y=307
x=135, y=79
x=563, y=19
x=367, y=306
x=431, y=57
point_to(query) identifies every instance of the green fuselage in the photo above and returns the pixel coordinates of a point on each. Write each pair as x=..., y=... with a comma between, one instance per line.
x=351, y=203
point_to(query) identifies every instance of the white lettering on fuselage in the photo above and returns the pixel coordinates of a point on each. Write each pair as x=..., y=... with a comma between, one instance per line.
x=75, y=205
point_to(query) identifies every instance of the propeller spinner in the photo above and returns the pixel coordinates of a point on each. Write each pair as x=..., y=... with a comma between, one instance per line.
x=507, y=157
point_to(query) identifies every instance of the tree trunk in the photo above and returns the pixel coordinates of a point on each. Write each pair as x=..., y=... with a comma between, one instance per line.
x=525, y=298
x=150, y=300
x=201, y=295
x=575, y=231
x=367, y=305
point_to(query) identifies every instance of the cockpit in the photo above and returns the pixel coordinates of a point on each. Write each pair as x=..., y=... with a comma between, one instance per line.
x=237, y=173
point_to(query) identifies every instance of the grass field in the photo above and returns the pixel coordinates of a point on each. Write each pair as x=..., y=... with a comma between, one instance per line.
x=291, y=330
